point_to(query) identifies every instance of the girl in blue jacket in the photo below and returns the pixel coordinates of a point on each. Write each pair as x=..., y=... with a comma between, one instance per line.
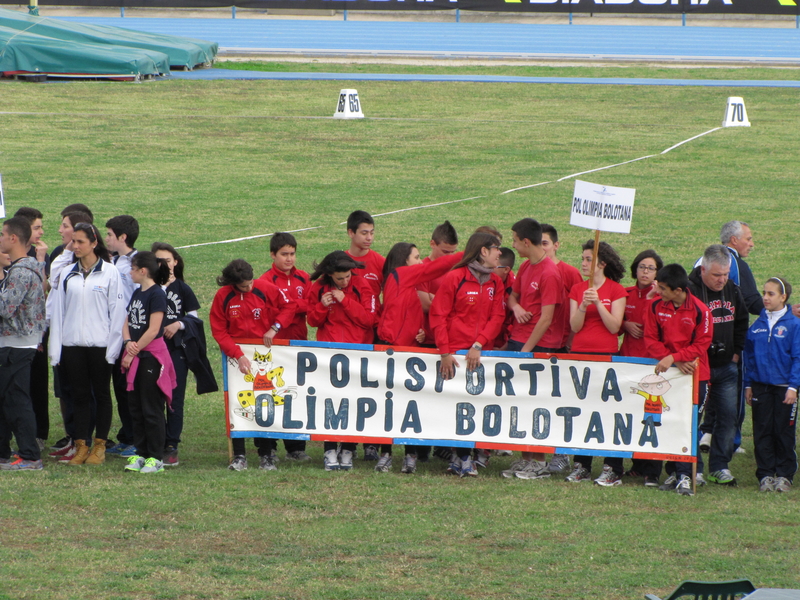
x=771, y=381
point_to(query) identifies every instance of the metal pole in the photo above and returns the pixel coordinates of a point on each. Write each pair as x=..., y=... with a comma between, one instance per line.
x=570, y=18
x=797, y=21
x=345, y=14
x=458, y=15
x=233, y=12
x=121, y=12
x=683, y=19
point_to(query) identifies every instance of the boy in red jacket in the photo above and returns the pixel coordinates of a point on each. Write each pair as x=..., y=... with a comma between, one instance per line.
x=678, y=330
x=248, y=308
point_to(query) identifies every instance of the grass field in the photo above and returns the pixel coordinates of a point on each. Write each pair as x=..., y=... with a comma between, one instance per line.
x=207, y=161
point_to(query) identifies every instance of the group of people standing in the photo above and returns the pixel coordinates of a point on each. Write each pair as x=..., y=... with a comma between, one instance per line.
x=133, y=319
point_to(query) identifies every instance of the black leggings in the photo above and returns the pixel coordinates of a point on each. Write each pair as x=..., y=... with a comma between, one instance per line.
x=88, y=374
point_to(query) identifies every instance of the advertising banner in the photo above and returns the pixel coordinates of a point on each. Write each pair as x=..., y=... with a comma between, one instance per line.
x=766, y=7
x=566, y=404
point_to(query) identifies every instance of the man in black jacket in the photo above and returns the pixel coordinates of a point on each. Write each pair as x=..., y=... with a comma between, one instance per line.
x=711, y=284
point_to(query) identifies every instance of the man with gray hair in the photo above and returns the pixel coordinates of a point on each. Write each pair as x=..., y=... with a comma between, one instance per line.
x=738, y=238
x=710, y=283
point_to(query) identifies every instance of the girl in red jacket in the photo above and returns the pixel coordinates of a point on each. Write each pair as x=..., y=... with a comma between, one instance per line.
x=467, y=314
x=402, y=320
x=342, y=307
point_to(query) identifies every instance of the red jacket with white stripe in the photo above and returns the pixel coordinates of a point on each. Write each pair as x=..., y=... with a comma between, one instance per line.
x=348, y=322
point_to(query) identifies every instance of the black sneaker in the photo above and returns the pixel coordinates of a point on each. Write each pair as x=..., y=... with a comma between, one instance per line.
x=370, y=453
x=650, y=481
x=65, y=441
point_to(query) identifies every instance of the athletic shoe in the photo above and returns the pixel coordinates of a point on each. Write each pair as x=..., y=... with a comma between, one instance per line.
x=669, y=483
x=267, y=463
x=783, y=485
x=65, y=441
x=722, y=477
x=446, y=454
x=578, y=474
x=118, y=448
x=152, y=465
x=558, y=464
x=684, y=487
x=346, y=460
x=409, y=464
x=171, y=457
x=608, y=477
x=4, y=461
x=705, y=443
x=503, y=453
x=533, y=470
x=57, y=454
x=330, y=460
x=454, y=468
x=632, y=473
x=128, y=452
x=740, y=450
x=468, y=468
x=699, y=480
x=384, y=463
x=22, y=464
x=650, y=481
x=481, y=458
x=135, y=464
x=371, y=452
x=767, y=485
x=517, y=465
x=239, y=463
x=41, y=443
x=70, y=453
x=298, y=455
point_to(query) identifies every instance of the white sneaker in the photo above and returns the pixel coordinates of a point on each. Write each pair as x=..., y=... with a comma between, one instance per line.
x=346, y=460
x=384, y=463
x=517, y=465
x=705, y=443
x=533, y=470
x=558, y=464
x=330, y=461
x=409, y=464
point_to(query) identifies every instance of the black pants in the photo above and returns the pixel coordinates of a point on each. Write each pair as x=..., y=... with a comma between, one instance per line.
x=264, y=446
x=125, y=433
x=334, y=445
x=774, y=432
x=16, y=416
x=175, y=416
x=615, y=462
x=40, y=393
x=146, y=403
x=88, y=374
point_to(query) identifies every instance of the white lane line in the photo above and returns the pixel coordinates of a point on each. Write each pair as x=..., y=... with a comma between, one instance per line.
x=608, y=167
x=242, y=239
x=418, y=207
x=690, y=139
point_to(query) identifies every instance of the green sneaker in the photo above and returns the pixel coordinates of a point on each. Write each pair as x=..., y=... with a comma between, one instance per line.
x=152, y=465
x=135, y=464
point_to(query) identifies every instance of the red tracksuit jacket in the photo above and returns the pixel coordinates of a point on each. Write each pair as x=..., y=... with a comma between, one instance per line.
x=235, y=314
x=296, y=286
x=464, y=312
x=347, y=322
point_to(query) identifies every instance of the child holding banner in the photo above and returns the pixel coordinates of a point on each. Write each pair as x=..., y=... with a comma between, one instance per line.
x=343, y=309
x=402, y=320
x=771, y=381
x=467, y=313
x=595, y=316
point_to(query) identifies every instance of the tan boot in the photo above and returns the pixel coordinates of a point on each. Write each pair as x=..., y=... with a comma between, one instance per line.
x=81, y=453
x=98, y=454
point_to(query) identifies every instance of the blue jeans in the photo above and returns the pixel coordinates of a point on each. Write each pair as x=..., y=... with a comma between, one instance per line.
x=723, y=396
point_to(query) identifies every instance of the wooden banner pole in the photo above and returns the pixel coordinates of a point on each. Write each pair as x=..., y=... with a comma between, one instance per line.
x=594, y=257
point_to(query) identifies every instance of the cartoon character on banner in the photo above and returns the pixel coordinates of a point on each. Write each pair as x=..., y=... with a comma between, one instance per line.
x=652, y=388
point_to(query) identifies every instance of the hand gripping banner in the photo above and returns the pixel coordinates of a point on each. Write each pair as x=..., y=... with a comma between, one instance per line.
x=566, y=404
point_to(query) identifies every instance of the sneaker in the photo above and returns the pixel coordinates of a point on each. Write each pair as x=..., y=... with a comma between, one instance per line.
x=128, y=452
x=330, y=460
x=152, y=465
x=65, y=441
x=783, y=485
x=705, y=443
x=533, y=470
x=239, y=463
x=767, y=485
x=170, y=457
x=446, y=454
x=346, y=460
x=517, y=465
x=409, y=464
x=468, y=468
x=684, y=487
x=481, y=458
x=669, y=483
x=298, y=455
x=384, y=463
x=503, y=453
x=633, y=473
x=22, y=464
x=57, y=454
x=699, y=480
x=650, y=481
x=608, y=477
x=740, y=450
x=558, y=464
x=371, y=452
x=267, y=463
x=118, y=448
x=722, y=477
x=578, y=474
x=10, y=459
x=454, y=468
x=68, y=455
x=135, y=464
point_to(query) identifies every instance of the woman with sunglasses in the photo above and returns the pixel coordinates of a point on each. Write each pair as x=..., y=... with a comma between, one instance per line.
x=86, y=336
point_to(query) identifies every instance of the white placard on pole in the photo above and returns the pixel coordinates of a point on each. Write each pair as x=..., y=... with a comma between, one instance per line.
x=602, y=207
x=2, y=200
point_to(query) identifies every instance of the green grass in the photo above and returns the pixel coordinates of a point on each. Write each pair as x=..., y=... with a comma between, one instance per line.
x=203, y=161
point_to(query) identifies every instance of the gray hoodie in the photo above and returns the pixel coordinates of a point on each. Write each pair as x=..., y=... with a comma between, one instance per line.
x=22, y=316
